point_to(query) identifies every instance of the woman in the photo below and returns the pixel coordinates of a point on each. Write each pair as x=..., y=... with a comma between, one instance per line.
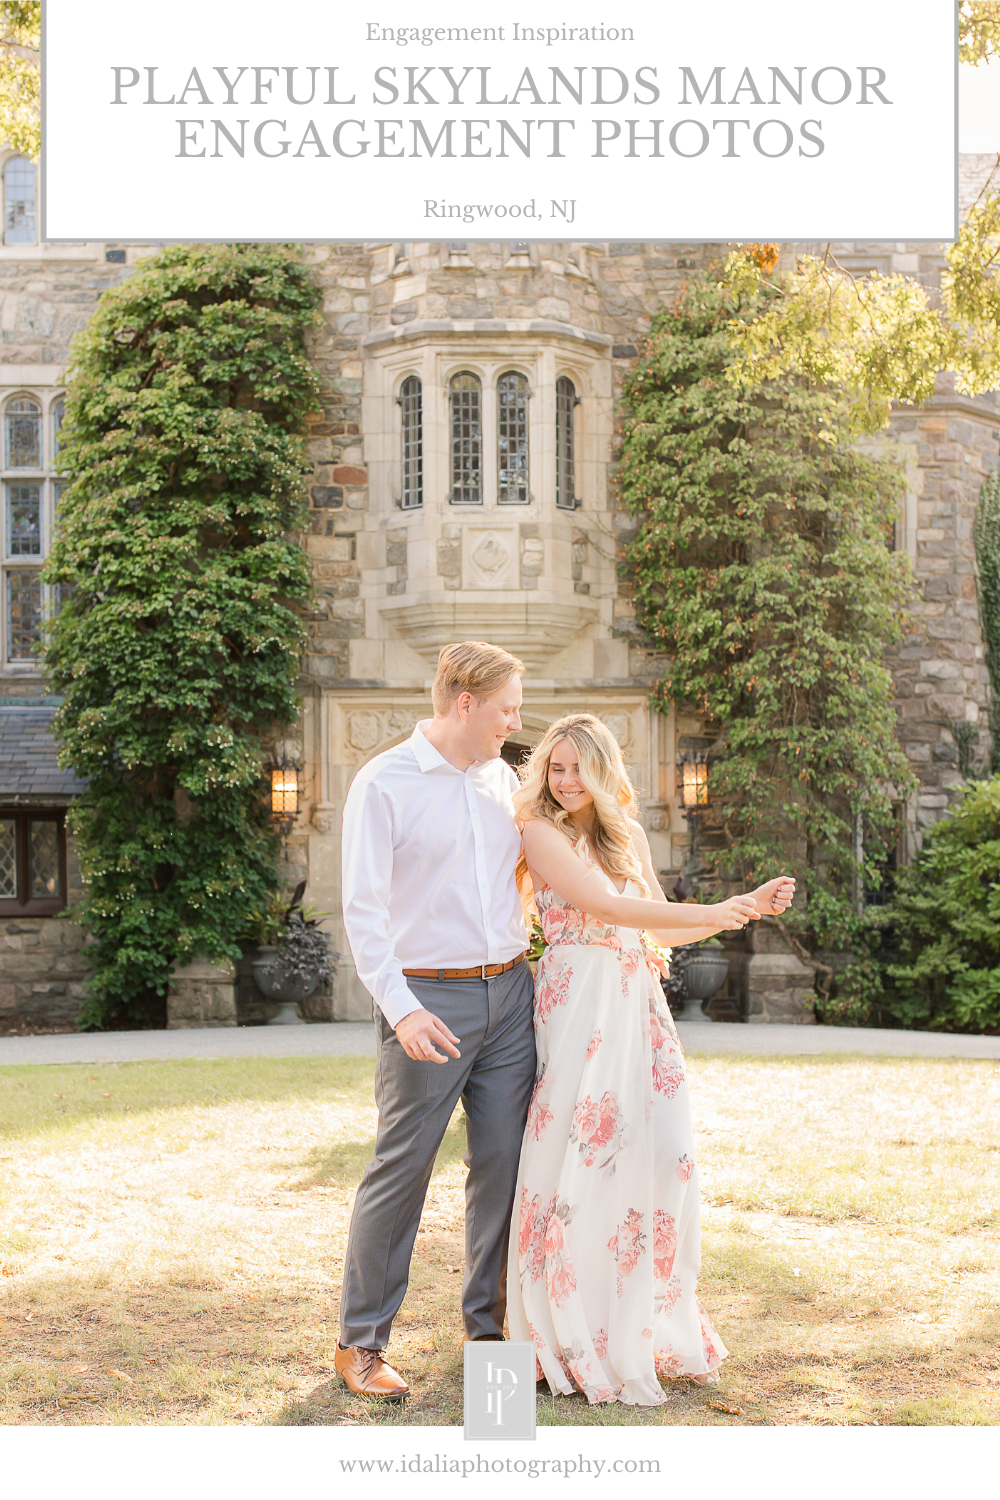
x=606, y=1223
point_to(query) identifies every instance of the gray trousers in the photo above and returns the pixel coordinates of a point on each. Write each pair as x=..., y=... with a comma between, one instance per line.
x=494, y=1078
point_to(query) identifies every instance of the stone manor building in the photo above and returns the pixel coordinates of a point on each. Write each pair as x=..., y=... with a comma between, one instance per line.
x=462, y=487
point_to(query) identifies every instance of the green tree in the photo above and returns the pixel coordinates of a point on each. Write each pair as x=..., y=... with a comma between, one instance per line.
x=978, y=30
x=762, y=572
x=20, y=86
x=944, y=922
x=177, y=645
x=879, y=339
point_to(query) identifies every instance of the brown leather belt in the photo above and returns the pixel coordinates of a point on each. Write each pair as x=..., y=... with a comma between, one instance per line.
x=481, y=971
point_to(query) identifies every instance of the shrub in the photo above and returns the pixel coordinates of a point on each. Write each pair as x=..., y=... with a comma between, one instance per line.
x=857, y=994
x=945, y=922
x=177, y=649
x=763, y=576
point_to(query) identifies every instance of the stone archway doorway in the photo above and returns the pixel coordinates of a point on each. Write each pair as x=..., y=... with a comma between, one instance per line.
x=515, y=752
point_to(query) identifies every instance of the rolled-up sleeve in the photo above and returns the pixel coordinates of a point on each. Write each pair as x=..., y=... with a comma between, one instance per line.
x=367, y=874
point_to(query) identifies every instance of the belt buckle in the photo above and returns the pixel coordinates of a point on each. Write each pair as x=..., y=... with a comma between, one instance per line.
x=482, y=970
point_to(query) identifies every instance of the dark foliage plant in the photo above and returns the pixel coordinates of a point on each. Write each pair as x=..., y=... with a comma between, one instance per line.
x=294, y=930
x=305, y=950
x=762, y=574
x=986, y=538
x=177, y=646
x=944, y=922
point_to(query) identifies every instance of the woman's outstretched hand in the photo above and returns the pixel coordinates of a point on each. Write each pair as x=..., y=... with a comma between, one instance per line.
x=774, y=897
x=734, y=913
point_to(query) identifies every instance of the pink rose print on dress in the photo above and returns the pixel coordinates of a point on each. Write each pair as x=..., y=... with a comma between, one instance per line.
x=601, y=1344
x=539, y=1343
x=684, y=1168
x=539, y=1114
x=581, y=1371
x=664, y=1244
x=627, y=1245
x=562, y=924
x=595, y=1042
x=665, y=1361
x=552, y=990
x=631, y=958
x=560, y=1277
x=541, y=1244
x=598, y=1129
x=713, y=1355
x=666, y=1301
x=668, y=1070
x=531, y=1233
x=647, y=1333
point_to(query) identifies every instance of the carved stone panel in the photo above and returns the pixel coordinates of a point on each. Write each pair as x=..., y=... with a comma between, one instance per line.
x=621, y=727
x=489, y=557
x=362, y=732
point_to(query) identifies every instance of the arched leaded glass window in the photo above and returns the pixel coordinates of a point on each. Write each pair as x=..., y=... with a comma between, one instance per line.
x=24, y=613
x=19, y=202
x=466, y=439
x=24, y=520
x=566, y=401
x=411, y=402
x=23, y=434
x=512, y=439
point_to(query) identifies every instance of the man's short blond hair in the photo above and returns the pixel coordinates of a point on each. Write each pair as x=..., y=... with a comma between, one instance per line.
x=471, y=667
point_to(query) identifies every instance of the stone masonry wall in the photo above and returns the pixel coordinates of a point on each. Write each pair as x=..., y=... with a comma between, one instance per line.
x=45, y=300
x=43, y=966
x=939, y=671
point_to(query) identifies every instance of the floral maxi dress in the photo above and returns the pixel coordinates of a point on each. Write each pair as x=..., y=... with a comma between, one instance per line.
x=606, y=1232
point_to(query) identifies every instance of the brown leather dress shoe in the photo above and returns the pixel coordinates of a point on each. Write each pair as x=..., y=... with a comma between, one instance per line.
x=366, y=1373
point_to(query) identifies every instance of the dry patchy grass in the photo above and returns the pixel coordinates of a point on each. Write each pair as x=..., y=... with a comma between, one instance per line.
x=172, y=1234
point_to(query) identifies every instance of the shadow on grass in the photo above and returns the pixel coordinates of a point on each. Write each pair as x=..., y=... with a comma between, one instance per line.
x=341, y=1166
x=193, y=1350
x=38, y=1099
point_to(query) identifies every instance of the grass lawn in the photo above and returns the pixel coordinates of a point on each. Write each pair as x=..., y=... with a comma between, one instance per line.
x=172, y=1235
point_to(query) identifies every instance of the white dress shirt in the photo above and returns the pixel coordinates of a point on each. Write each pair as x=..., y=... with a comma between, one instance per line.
x=429, y=860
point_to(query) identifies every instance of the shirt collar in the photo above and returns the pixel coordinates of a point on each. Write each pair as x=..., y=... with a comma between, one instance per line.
x=427, y=758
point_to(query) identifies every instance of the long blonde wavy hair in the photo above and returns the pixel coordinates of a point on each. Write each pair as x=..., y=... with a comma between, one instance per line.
x=603, y=774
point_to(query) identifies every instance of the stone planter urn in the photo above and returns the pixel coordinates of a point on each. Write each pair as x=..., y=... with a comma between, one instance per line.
x=272, y=981
x=704, y=973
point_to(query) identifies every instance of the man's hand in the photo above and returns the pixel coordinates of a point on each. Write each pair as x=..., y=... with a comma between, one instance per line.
x=417, y=1033
x=734, y=913
x=774, y=897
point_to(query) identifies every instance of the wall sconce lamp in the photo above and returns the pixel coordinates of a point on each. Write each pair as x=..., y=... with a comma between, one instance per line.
x=692, y=779
x=284, y=794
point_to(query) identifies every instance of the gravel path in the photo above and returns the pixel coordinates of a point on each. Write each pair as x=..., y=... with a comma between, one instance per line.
x=336, y=1038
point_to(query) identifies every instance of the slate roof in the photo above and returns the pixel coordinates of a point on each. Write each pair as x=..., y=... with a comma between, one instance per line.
x=28, y=757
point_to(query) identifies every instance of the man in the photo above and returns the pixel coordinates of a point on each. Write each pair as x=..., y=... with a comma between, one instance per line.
x=437, y=931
